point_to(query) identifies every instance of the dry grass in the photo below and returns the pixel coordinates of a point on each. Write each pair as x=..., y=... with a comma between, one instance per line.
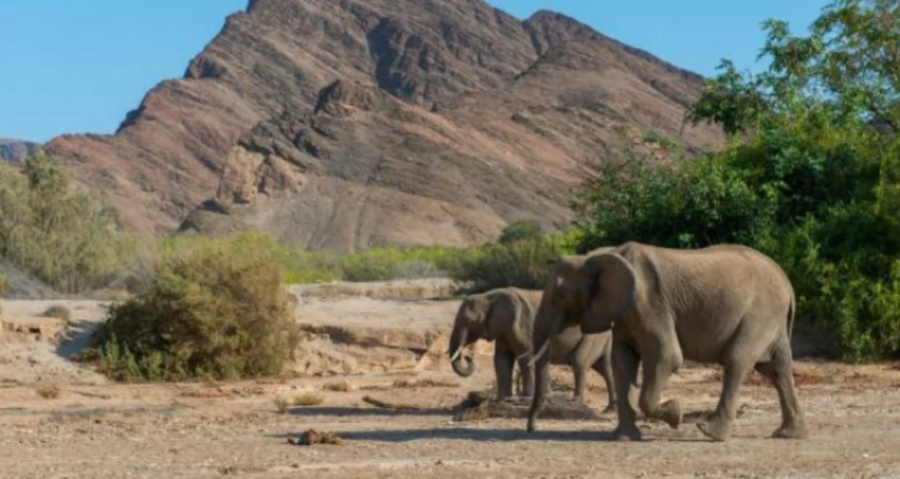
x=48, y=392
x=423, y=383
x=376, y=387
x=338, y=386
x=282, y=405
x=308, y=399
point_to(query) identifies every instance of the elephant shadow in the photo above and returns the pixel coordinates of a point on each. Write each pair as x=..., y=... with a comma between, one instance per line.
x=489, y=435
x=463, y=434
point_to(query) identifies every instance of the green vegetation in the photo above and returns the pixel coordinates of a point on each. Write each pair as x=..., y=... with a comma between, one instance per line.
x=61, y=236
x=219, y=310
x=521, y=262
x=299, y=265
x=811, y=175
x=521, y=230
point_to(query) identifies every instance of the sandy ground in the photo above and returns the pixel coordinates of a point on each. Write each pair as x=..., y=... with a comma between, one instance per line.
x=60, y=420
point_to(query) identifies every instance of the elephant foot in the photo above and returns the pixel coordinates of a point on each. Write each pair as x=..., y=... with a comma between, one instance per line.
x=716, y=429
x=531, y=427
x=627, y=433
x=610, y=409
x=670, y=412
x=792, y=431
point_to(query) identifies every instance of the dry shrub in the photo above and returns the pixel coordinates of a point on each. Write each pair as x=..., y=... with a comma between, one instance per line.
x=281, y=405
x=313, y=437
x=423, y=383
x=338, y=386
x=48, y=392
x=220, y=311
x=58, y=312
x=308, y=399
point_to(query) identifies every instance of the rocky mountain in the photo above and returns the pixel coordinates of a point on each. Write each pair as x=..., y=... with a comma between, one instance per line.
x=15, y=151
x=351, y=123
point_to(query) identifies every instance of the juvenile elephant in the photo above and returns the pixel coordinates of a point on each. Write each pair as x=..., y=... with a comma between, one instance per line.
x=506, y=316
x=726, y=304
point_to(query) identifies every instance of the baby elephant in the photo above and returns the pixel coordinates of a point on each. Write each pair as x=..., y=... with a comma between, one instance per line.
x=506, y=316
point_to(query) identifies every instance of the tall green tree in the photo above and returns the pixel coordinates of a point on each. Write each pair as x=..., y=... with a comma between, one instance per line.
x=811, y=174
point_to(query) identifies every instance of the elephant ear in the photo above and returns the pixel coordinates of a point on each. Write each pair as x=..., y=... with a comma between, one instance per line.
x=502, y=314
x=613, y=290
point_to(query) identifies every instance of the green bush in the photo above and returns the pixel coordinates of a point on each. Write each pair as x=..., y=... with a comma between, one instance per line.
x=524, y=263
x=61, y=236
x=520, y=230
x=215, y=309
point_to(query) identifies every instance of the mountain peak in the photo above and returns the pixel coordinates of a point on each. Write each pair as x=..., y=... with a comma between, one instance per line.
x=314, y=120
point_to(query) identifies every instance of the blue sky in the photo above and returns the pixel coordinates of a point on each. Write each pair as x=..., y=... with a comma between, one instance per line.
x=70, y=66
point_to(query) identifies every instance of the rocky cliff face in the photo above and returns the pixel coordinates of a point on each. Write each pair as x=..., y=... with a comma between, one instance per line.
x=15, y=151
x=351, y=123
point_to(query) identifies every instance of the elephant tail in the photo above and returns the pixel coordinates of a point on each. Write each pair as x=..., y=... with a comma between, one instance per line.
x=792, y=311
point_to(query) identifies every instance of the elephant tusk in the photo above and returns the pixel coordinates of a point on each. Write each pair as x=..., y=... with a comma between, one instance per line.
x=539, y=354
x=519, y=357
x=456, y=354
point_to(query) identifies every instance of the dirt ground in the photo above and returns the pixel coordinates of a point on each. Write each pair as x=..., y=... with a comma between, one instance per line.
x=61, y=420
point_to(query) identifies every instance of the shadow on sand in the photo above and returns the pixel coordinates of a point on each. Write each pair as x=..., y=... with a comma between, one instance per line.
x=359, y=411
x=491, y=435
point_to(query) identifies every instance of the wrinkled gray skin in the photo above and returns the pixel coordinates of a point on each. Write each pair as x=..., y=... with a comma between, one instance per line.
x=727, y=304
x=506, y=316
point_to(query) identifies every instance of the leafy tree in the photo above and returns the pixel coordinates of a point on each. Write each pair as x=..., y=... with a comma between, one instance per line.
x=62, y=236
x=811, y=174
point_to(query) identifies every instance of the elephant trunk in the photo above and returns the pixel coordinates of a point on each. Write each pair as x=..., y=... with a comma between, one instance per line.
x=541, y=368
x=457, y=343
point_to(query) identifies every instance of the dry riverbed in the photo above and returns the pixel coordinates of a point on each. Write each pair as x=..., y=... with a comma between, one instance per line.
x=61, y=420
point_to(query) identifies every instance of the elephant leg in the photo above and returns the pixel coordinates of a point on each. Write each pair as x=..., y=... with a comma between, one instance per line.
x=604, y=366
x=503, y=367
x=780, y=372
x=580, y=371
x=625, y=366
x=527, y=377
x=659, y=364
x=718, y=426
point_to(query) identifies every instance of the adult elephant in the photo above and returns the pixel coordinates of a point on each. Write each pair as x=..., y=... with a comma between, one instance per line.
x=506, y=316
x=726, y=304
